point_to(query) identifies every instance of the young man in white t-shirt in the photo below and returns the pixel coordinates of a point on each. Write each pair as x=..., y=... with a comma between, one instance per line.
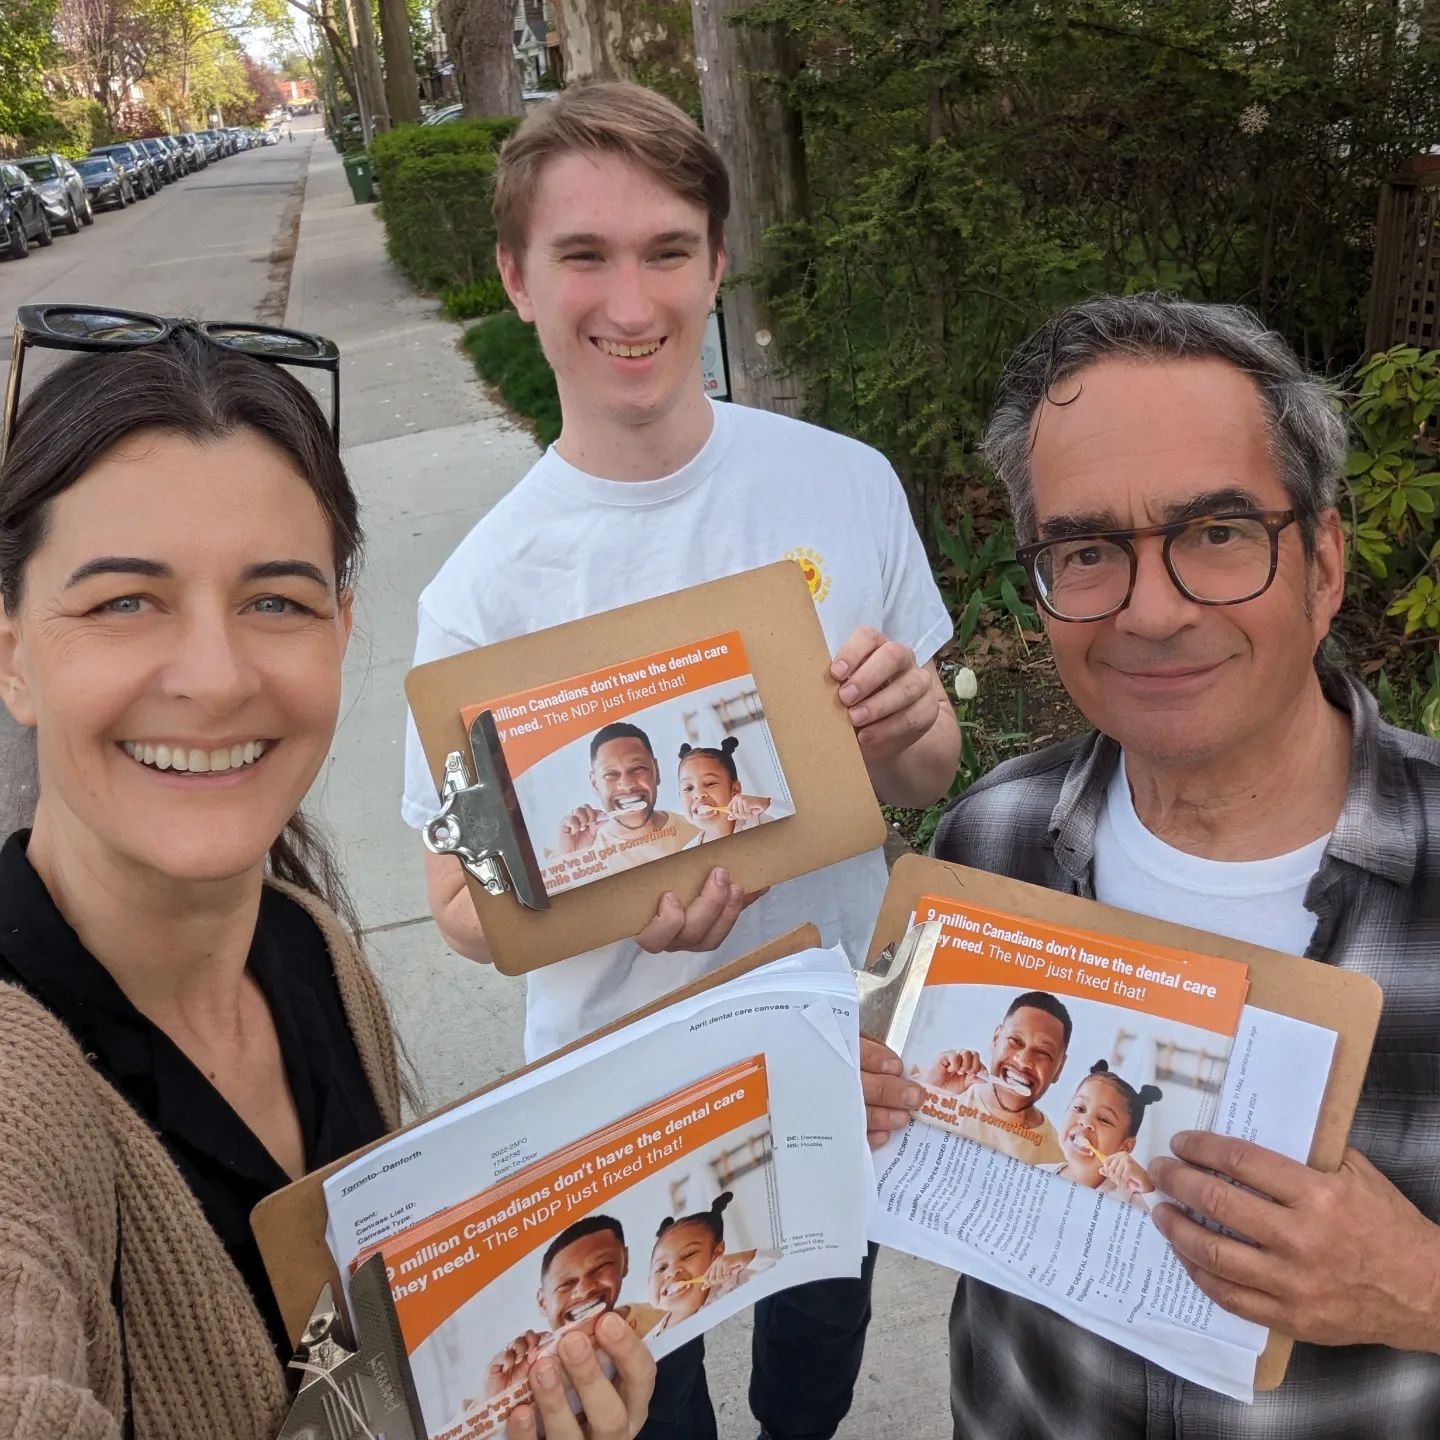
x=610, y=209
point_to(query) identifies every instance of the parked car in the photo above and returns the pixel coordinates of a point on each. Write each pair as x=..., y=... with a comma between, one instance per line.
x=194, y=149
x=178, y=153
x=107, y=185
x=160, y=157
x=22, y=214
x=62, y=191
x=444, y=115
x=210, y=139
x=135, y=163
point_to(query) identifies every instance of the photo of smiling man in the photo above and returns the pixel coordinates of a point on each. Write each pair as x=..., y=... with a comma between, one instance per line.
x=626, y=827
x=580, y=1279
x=996, y=1101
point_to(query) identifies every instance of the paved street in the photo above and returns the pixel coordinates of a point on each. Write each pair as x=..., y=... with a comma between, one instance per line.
x=429, y=452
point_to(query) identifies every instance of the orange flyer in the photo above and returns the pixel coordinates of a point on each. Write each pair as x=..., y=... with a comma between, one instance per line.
x=1071, y=1050
x=610, y=1223
x=635, y=761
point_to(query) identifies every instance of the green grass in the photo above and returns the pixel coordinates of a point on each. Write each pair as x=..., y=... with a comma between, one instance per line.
x=507, y=353
x=469, y=302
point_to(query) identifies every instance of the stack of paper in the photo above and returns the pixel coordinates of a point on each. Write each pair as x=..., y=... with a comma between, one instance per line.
x=675, y=1172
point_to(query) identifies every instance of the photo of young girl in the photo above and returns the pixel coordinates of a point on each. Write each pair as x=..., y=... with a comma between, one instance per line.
x=1099, y=1132
x=711, y=792
x=690, y=1265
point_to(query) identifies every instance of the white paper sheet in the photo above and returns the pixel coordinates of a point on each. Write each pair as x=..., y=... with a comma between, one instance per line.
x=798, y=1016
x=1088, y=1256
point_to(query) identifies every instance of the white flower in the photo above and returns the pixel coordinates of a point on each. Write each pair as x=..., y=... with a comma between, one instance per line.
x=1253, y=119
x=966, y=686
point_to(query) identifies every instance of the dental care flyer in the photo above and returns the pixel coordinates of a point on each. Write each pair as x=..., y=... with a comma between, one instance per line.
x=674, y=1172
x=628, y=764
x=1057, y=1062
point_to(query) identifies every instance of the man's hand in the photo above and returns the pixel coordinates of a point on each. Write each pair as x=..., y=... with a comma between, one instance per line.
x=1342, y=1259
x=906, y=728
x=956, y=1071
x=609, y=1410
x=891, y=700
x=889, y=1097
x=579, y=829
x=703, y=924
x=508, y=1367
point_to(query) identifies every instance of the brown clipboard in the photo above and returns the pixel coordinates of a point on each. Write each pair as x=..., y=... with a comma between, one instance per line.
x=1338, y=1000
x=289, y=1226
x=836, y=813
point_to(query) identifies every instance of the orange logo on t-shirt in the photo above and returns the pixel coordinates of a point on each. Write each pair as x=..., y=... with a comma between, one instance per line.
x=812, y=567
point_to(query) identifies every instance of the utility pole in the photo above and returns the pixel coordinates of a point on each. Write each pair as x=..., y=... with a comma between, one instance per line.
x=369, y=86
x=758, y=136
x=402, y=87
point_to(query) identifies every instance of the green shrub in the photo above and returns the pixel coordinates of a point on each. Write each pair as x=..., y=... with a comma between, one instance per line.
x=507, y=353
x=76, y=127
x=470, y=302
x=435, y=185
x=438, y=227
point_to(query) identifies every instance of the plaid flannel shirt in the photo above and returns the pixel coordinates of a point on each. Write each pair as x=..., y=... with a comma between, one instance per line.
x=1020, y=1372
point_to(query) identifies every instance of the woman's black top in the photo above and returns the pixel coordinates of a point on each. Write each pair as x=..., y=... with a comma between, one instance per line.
x=224, y=1163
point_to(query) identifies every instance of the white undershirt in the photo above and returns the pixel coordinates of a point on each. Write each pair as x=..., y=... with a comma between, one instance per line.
x=1262, y=901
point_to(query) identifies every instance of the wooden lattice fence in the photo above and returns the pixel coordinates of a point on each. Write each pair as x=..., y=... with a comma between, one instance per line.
x=1405, y=286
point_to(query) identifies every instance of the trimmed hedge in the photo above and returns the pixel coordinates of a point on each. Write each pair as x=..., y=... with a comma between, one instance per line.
x=470, y=302
x=436, y=183
x=507, y=353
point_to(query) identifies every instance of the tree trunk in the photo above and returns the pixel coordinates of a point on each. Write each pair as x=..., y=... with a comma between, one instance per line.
x=759, y=137
x=402, y=87
x=370, y=85
x=591, y=36
x=482, y=44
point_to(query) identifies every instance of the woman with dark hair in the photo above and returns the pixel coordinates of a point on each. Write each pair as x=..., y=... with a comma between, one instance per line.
x=186, y=1020
x=1099, y=1132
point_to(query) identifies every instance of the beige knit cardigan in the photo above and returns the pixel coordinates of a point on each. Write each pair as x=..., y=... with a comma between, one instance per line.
x=78, y=1166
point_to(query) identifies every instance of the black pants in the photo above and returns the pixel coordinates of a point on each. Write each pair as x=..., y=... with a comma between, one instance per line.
x=808, y=1345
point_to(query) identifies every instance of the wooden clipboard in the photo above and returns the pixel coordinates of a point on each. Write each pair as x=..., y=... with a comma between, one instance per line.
x=836, y=813
x=289, y=1225
x=1338, y=1000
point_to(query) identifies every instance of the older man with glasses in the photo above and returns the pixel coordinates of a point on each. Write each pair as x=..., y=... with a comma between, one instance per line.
x=1173, y=472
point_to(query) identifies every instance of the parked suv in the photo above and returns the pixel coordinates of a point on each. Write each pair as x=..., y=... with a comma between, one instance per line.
x=136, y=165
x=160, y=157
x=194, y=148
x=62, y=191
x=22, y=215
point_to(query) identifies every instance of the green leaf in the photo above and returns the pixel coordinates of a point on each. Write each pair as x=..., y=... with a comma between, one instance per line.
x=965, y=630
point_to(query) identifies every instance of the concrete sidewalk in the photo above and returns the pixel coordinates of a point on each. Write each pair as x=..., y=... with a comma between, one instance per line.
x=430, y=453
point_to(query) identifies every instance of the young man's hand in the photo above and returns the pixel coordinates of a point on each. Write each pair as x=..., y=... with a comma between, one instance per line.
x=703, y=924
x=1342, y=1259
x=610, y=1410
x=906, y=728
x=890, y=1098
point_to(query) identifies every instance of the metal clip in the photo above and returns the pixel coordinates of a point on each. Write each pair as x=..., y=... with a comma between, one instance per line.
x=359, y=1391
x=480, y=821
x=890, y=989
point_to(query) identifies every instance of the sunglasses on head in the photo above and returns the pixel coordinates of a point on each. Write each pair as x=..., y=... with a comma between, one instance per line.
x=89, y=328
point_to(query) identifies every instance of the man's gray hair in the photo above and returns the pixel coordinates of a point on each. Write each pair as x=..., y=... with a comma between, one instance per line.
x=1309, y=436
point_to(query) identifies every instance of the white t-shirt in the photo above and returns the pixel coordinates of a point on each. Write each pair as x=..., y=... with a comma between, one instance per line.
x=1260, y=901
x=563, y=545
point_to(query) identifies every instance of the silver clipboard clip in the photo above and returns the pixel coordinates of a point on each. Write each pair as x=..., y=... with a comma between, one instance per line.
x=356, y=1387
x=480, y=821
x=890, y=990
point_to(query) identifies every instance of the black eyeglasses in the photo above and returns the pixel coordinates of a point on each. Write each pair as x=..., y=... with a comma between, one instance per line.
x=98, y=328
x=1222, y=559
